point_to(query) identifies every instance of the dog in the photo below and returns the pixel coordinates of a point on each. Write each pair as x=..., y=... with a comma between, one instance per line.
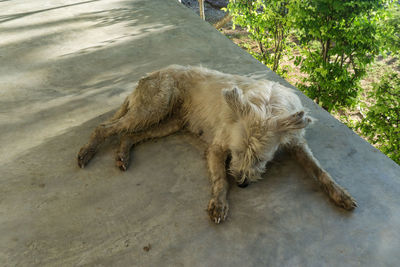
x=239, y=118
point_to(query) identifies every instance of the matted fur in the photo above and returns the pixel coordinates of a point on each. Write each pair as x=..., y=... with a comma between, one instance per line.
x=238, y=117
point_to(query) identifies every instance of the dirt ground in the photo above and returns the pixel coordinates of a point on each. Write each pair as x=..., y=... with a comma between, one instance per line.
x=212, y=9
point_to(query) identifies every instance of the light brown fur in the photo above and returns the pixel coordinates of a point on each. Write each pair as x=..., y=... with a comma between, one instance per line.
x=238, y=117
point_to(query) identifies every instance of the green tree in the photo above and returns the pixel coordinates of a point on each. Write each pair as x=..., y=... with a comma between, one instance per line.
x=390, y=29
x=381, y=124
x=269, y=24
x=338, y=40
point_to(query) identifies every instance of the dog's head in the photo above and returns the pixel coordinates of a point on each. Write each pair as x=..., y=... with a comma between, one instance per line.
x=257, y=132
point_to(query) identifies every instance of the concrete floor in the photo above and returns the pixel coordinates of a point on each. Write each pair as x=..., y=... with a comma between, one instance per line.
x=66, y=65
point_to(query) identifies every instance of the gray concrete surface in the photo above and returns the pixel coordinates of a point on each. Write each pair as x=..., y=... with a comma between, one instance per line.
x=66, y=65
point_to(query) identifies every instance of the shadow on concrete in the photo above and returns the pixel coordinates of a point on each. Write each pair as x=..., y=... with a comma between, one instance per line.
x=62, y=82
x=10, y=17
x=95, y=216
x=111, y=215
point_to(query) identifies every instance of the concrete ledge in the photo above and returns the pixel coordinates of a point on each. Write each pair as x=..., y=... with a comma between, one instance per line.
x=65, y=65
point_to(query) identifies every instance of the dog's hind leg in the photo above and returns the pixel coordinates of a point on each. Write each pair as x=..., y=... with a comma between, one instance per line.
x=218, y=205
x=304, y=156
x=138, y=116
x=153, y=100
x=134, y=120
x=121, y=111
x=165, y=128
x=87, y=152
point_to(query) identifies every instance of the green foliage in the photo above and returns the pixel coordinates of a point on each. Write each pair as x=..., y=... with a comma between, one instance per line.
x=381, y=124
x=390, y=29
x=331, y=84
x=347, y=38
x=337, y=40
x=269, y=24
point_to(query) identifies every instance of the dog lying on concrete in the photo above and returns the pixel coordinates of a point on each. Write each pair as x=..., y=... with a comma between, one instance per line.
x=244, y=119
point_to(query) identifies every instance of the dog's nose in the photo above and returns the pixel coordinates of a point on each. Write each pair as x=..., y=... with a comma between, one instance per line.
x=244, y=184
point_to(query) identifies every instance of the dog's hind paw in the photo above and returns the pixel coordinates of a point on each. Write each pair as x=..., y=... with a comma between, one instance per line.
x=217, y=210
x=122, y=161
x=85, y=155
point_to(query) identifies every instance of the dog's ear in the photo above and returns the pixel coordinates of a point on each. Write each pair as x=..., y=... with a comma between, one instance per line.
x=236, y=102
x=294, y=121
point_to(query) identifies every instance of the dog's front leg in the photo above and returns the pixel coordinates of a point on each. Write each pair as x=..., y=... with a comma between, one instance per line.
x=339, y=195
x=218, y=205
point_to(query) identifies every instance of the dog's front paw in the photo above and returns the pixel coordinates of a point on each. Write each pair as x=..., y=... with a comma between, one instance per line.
x=339, y=195
x=344, y=200
x=85, y=155
x=218, y=210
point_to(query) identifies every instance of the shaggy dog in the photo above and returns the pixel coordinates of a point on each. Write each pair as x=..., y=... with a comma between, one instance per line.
x=239, y=118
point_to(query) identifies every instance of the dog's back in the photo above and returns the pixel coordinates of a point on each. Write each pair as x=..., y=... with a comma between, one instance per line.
x=205, y=108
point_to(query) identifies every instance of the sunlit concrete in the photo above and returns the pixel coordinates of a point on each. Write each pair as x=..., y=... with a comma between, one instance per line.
x=66, y=65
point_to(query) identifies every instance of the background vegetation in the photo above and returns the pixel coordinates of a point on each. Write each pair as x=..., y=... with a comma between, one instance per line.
x=336, y=49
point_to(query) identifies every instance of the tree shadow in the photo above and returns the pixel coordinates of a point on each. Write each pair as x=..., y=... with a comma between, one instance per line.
x=87, y=62
x=10, y=17
x=41, y=85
